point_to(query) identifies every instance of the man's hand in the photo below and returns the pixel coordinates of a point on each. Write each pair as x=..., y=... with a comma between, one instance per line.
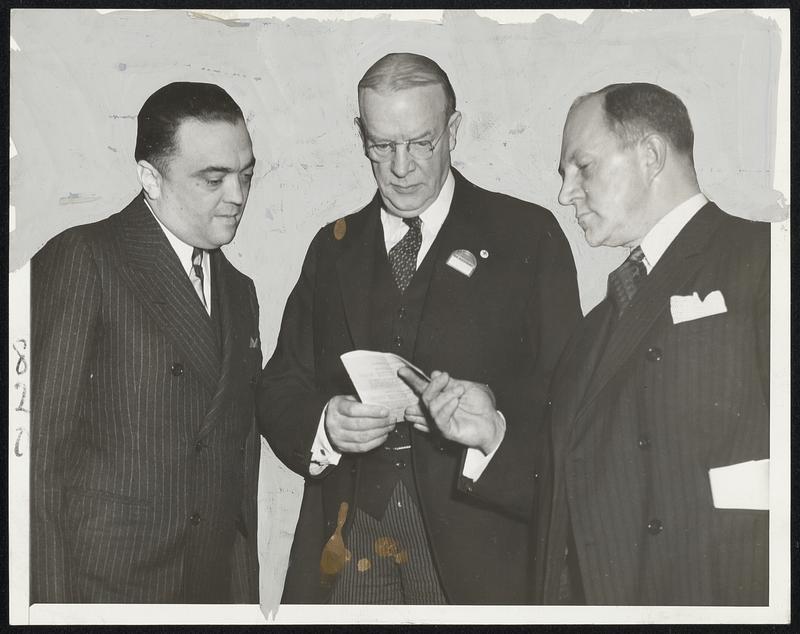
x=355, y=427
x=463, y=411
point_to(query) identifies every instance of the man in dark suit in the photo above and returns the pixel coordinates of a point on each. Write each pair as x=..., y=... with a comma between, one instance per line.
x=652, y=485
x=445, y=274
x=145, y=343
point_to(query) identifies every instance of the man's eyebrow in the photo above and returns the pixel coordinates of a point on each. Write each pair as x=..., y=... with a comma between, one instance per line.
x=418, y=137
x=224, y=169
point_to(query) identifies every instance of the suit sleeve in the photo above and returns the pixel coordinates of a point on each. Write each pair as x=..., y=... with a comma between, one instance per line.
x=288, y=403
x=65, y=309
x=762, y=320
x=244, y=577
x=552, y=314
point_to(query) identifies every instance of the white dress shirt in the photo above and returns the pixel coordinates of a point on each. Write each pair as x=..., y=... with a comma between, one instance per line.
x=322, y=452
x=658, y=239
x=653, y=245
x=184, y=253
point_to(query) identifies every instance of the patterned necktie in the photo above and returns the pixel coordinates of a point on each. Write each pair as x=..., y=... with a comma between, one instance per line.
x=403, y=255
x=624, y=281
x=196, y=275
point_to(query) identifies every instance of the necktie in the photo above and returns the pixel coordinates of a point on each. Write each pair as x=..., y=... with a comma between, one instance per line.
x=403, y=255
x=196, y=275
x=624, y=281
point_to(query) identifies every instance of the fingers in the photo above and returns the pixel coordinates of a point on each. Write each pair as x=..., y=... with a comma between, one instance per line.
x=444, y=406
x=356, y=427
x=348, y=406
x=413, y=380
x=346, y=446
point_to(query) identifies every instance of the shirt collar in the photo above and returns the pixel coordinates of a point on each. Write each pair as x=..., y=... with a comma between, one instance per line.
x=182, y=250
x=433, y=217
x=658, y=239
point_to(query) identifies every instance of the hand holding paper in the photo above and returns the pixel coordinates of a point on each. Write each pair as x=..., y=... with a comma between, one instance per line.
x=354, y=427
x=463, y=411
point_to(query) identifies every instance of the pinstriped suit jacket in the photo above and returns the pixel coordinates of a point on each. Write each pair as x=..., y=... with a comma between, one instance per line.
x=640, y=410
x=144, y=452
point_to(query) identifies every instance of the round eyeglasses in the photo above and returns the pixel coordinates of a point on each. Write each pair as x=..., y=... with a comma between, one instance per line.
x=418, y=150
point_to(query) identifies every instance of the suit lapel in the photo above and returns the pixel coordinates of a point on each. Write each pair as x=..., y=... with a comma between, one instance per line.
x=574, y=372
x=163, y=287
x=231, y=334
x=460, y=230
x=354, y=268
x=680, y=261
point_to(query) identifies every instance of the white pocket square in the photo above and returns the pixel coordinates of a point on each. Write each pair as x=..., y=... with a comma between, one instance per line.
x=689, y=307
x=744, y=485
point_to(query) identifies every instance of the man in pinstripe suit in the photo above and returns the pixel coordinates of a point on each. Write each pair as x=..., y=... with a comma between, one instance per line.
x=145, y=344
x=652, y=485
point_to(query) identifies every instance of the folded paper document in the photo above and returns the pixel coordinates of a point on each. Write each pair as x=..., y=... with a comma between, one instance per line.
x=374, y=375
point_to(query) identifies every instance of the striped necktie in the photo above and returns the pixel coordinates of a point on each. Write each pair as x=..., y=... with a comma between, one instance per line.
x=197, y=276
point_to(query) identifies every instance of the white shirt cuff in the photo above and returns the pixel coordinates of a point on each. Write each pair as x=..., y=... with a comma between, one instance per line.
x=322, y=453
x=475, y=462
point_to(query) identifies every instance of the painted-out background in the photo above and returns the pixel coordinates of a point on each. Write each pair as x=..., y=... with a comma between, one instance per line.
x=79, y=77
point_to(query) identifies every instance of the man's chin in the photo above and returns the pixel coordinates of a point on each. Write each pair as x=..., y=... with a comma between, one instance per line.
x=405, y=206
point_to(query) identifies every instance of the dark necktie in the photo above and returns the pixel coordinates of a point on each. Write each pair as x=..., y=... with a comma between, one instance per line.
x=624, y=281
x=403, y=255
x=197, y=275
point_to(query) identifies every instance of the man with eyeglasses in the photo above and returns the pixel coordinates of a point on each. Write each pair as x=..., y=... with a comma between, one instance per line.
x=446, y=275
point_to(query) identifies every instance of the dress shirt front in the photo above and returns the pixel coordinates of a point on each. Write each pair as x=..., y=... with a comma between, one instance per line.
x=184, y=253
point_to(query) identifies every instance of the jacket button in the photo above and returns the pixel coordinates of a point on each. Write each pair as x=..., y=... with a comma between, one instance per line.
x=469, y=488
x=176, y=369
x=654, y=354
x=643, y=442
x=441, y=448
x=195, y=518
x=398, y=341
x=400, y=464
x=654, y=527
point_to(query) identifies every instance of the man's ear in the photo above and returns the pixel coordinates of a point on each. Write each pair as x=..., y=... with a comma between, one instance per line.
x=654, y=150
x=150, y=179
x=452, y=124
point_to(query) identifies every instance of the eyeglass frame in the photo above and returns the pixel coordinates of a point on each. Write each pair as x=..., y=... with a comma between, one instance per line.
x=393, y=144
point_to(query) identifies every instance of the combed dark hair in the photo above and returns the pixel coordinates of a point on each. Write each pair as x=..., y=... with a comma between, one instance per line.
x=637, y=109
x=397, y=71
x=167, y=107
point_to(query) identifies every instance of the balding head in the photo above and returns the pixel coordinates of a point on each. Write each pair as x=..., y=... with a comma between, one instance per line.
x=400, y=71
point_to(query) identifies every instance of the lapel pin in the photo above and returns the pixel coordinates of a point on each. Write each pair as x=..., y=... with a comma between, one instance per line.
x=462, y=261
x=254, y=342
x=484, y=253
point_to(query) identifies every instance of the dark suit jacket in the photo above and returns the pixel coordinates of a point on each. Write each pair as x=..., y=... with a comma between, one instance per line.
x=505, y=326
x=144, y=451
x=640, y=412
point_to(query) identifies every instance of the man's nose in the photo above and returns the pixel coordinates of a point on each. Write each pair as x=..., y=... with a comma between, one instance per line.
x=566, y=195
x=235, y=192
x=402, y=163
